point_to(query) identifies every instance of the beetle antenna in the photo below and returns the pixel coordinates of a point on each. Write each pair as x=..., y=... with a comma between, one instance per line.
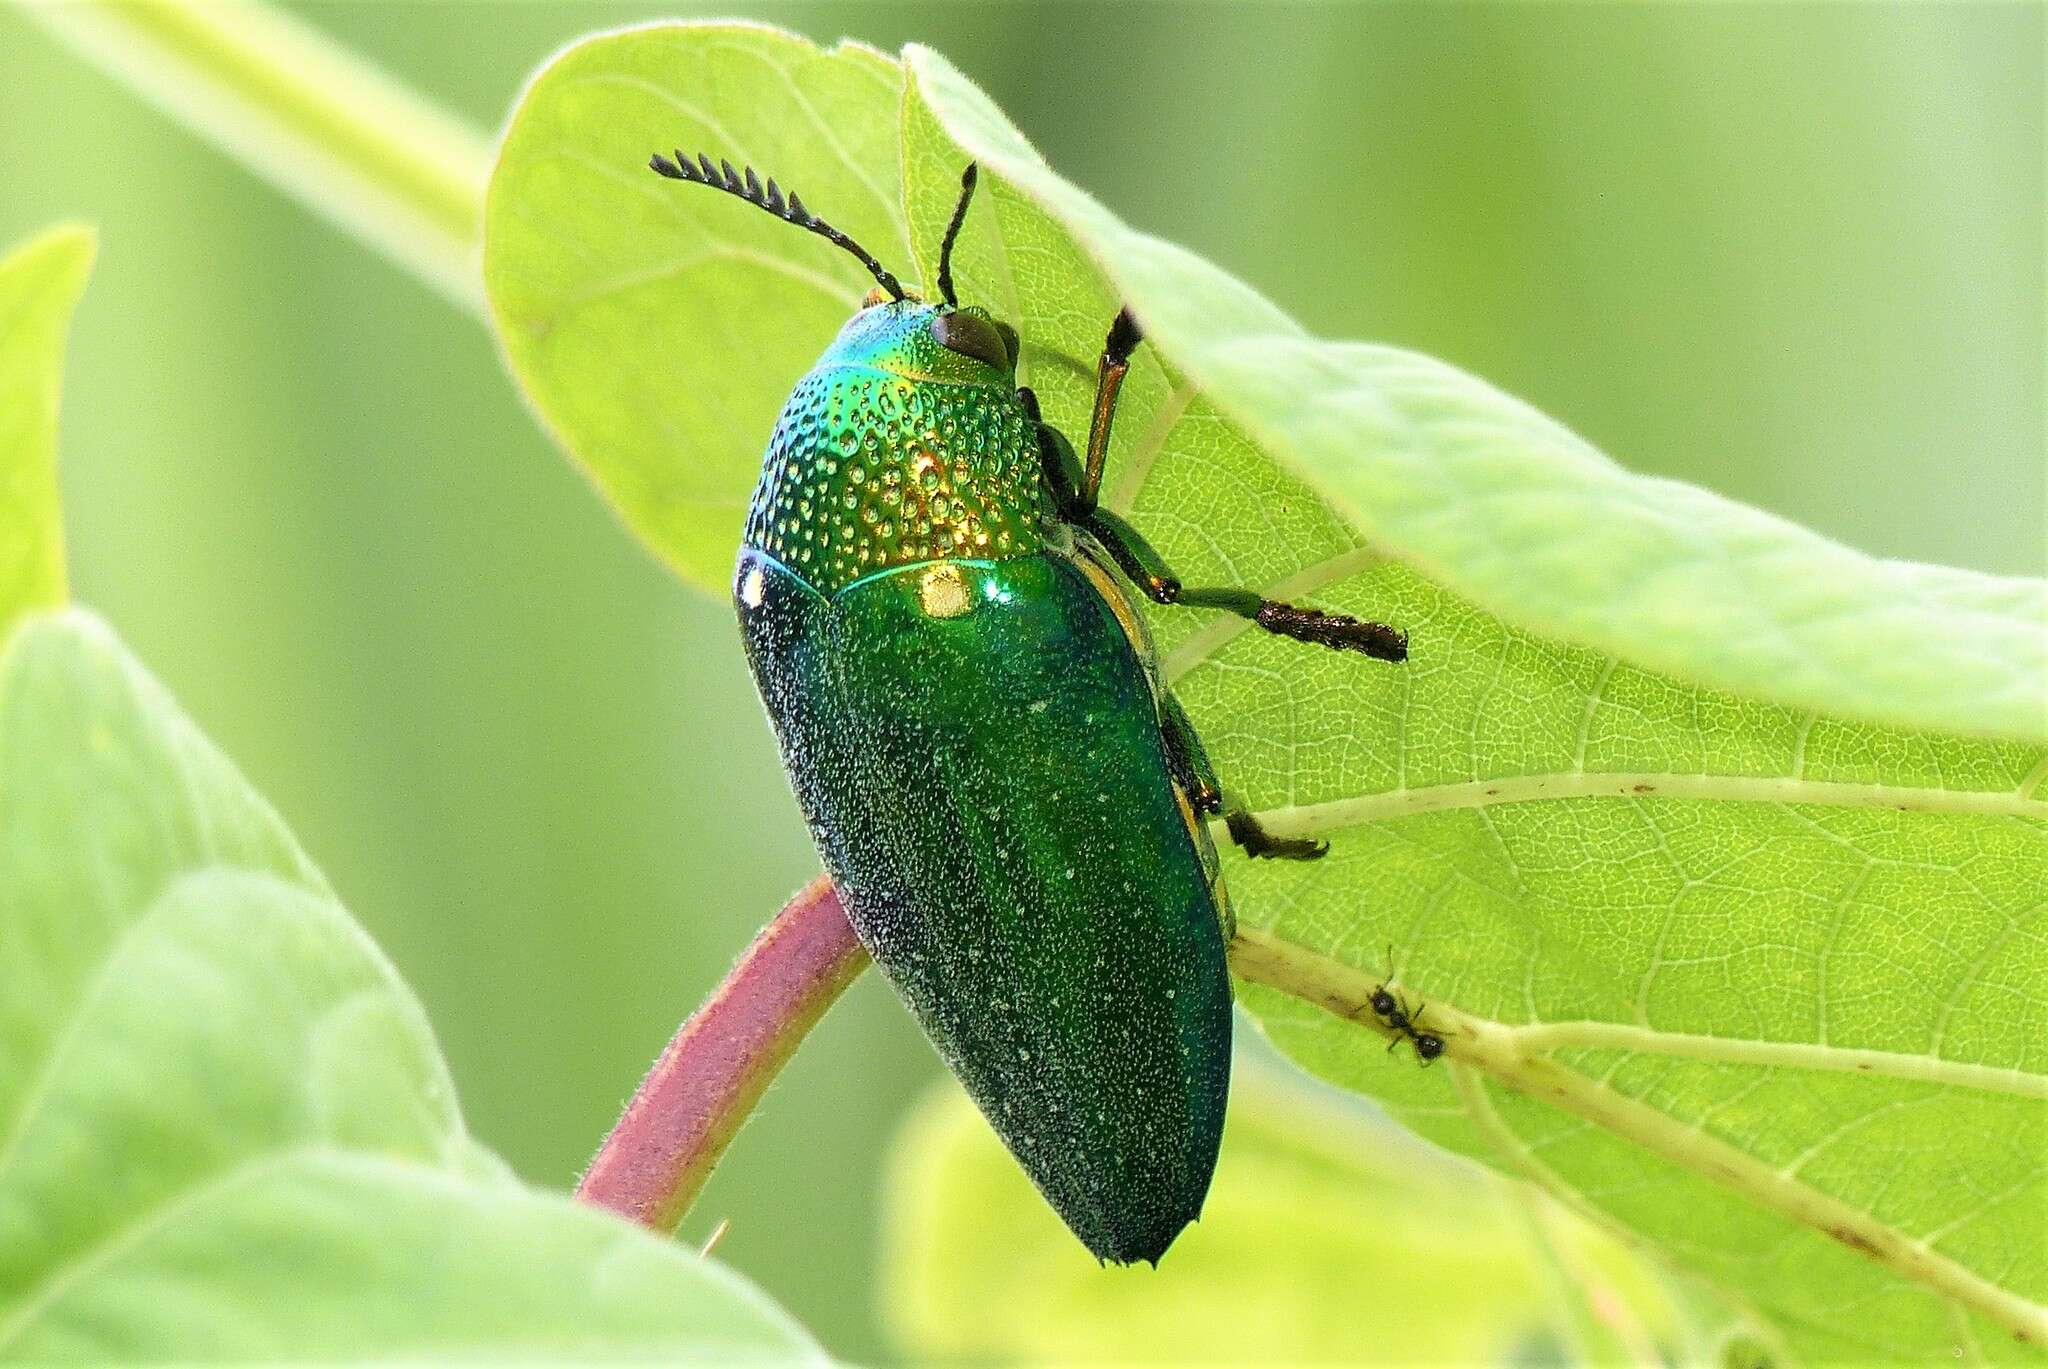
x=967, y=178
x=790, y=209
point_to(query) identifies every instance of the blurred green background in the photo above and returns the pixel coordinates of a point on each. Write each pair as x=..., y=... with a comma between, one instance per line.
x=1791, y=252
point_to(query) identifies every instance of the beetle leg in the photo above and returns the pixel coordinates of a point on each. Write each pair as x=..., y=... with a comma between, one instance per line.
x=1189, y=761
x=1056, y=460
x=1149, y=572
x=1062, y=474
x=1124, y=337
x=1188, y=758
x=1196, y=778
x=1076, y=501
x=1075, y=484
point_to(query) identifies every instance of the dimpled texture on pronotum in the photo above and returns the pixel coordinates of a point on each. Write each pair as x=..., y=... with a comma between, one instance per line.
x=881, y=461
x=970, y=717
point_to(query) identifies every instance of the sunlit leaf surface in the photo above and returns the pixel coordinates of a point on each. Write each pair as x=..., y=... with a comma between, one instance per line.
x=226, y=1132
x=1717, y=848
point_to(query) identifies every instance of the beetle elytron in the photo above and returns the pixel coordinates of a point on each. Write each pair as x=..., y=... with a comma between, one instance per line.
x=1012, y=805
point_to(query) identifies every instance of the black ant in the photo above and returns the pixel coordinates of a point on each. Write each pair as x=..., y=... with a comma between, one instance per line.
x=1396, y=1014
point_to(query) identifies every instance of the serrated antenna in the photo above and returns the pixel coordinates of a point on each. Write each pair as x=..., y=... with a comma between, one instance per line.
x=747, y=186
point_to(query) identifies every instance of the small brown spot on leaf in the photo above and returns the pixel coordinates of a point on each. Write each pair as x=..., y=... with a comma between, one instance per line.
x=1853, y=1239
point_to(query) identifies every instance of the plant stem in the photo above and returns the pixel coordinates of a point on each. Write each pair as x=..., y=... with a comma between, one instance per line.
x=715, y=1069
x=305, y=114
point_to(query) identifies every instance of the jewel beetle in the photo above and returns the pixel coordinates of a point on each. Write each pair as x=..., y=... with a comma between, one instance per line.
x=943, y=627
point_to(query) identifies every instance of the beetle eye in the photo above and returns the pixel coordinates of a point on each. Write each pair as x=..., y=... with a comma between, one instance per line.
x=972, y=336
x=1009, y=337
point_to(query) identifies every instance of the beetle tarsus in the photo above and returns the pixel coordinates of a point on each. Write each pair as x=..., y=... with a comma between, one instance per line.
x=1146, y=569
x=1124, y=337
x=1338, y=631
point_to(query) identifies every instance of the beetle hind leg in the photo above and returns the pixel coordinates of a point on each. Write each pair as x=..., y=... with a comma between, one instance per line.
x=1075, y=482
x=1187, y=758
x=1192, y=770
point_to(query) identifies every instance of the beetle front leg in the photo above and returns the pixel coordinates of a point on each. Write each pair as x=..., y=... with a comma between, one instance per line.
x=1063, y=477
x=1193, y=771
x=1075, y=484
x=1149, y=572
x=1124, y=337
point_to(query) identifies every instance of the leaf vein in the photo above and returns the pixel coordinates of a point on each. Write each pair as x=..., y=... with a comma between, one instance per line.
x=1486, y=1047
x=1337, y=814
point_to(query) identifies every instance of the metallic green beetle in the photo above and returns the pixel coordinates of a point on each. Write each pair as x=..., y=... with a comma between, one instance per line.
x=1011, y=804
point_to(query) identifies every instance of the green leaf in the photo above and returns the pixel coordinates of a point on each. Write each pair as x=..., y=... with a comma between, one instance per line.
x=1781, y=946
x=225, y=1129
x=1716, y=849
x=1329, y=1237
x=656, y=329
x=40, y=283
x=1487, y=498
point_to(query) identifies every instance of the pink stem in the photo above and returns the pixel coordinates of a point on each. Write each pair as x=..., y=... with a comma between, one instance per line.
x=717, y=1066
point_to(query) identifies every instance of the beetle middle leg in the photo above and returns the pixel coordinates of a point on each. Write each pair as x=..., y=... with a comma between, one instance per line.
x=1075, y=484
x=1150, y=573
x=1192, y=770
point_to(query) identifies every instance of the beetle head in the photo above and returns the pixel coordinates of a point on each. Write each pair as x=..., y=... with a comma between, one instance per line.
x=918, y=340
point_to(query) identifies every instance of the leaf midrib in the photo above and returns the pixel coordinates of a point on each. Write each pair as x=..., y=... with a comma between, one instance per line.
x=1476, y=1046
x=1486, y=1118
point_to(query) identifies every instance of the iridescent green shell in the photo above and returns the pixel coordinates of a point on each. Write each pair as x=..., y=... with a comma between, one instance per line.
x=969, y=710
